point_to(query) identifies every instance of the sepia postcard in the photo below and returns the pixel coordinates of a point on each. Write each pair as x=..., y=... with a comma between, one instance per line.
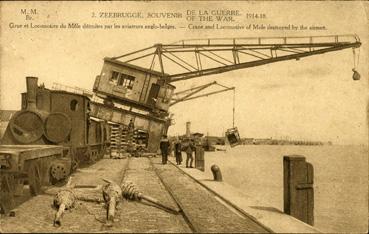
x=184, y=116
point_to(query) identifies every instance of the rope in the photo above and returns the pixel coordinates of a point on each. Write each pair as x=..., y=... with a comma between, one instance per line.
x=234, y=100
x=356, y=57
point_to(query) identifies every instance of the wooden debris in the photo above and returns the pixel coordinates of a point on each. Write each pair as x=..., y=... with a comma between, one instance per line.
x=131, y=192
x=112, y=194
x=64, y=200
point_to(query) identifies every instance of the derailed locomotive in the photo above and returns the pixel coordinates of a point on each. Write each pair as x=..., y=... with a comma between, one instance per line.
x=48, y=139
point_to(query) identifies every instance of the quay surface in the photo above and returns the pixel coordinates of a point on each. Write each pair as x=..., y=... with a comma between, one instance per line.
x=202, y=210
x=260, y=211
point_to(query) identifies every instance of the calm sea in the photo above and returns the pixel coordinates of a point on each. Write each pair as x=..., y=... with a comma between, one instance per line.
x=340, y=180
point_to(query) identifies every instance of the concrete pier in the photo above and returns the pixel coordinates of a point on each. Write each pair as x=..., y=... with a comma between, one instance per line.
x=260, y=211
x=206, y=206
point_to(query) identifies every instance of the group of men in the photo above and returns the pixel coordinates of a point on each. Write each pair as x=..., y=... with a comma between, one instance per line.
x=187, y=145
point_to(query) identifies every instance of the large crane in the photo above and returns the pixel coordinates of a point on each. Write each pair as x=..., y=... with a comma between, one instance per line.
x=140, y=83
x=193, y=58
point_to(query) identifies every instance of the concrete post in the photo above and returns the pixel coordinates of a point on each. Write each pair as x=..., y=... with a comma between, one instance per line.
x=298, y=188
x=199, y=158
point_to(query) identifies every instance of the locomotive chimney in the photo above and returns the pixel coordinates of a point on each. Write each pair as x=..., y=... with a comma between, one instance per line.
x=31, y=92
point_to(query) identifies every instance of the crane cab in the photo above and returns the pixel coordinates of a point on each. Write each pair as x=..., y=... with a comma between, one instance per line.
x=133, y=85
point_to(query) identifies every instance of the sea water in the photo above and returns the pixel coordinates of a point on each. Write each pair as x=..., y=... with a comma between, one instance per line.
x=340, y=179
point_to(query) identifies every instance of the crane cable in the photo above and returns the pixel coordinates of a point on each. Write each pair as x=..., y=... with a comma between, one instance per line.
x=234, y=100
x=356, y=75
x=356, y=58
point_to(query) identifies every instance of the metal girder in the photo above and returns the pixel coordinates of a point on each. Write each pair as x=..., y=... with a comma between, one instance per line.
x=192, y=92
x=208, y=94
x=188, y=93
x=188, y=59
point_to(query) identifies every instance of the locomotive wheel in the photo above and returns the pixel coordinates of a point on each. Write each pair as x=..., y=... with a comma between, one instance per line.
x=104, y=150
x=75, y=164
x=90, y=156
x=59, y=173
x=7, y=187
x=93, y=156
x=75, y=160
x=34, y=178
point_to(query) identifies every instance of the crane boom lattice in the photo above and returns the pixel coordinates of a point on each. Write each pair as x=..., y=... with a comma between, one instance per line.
x=188, y=94
x=188, y=59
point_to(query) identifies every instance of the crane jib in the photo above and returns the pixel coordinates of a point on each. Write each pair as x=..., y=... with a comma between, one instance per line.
x=216, y=70
x=193, y=58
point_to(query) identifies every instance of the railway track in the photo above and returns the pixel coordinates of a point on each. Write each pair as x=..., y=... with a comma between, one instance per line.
x=200, y=210
x=203, y=211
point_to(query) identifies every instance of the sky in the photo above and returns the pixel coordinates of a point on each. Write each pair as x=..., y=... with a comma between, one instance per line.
x=314, y=98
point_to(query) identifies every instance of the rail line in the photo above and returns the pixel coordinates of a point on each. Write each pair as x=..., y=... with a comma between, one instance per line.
x=226, y=201
x=124, y=171
x=203, y=209
x=187, y=218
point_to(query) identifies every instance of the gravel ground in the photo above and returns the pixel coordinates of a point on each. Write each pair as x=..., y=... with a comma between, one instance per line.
x=37, y=214
x=204, y=210
x=143, y=217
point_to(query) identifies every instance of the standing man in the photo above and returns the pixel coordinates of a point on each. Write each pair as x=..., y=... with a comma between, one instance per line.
x=189, y=149
x=129, y=137
x=131, y=125
x=164, y=148
x=178, y=152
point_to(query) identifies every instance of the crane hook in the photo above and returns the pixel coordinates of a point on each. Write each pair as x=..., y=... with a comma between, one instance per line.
x=356, y=75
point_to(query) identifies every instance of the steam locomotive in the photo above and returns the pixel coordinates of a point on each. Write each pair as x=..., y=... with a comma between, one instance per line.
x=48, y=139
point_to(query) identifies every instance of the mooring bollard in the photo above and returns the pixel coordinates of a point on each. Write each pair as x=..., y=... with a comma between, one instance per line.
x=217, y=174
x=298, y=180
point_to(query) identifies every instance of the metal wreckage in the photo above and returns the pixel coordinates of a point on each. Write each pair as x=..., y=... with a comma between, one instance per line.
x=60, y=129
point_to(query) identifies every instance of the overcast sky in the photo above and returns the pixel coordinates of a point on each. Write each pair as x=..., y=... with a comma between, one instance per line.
x=313, y=99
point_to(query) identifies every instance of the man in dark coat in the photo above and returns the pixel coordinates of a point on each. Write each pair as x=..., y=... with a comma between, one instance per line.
x=131, y=125
x=164, y=148
x=189, y=148
x=178, y=152
x=129, y=136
